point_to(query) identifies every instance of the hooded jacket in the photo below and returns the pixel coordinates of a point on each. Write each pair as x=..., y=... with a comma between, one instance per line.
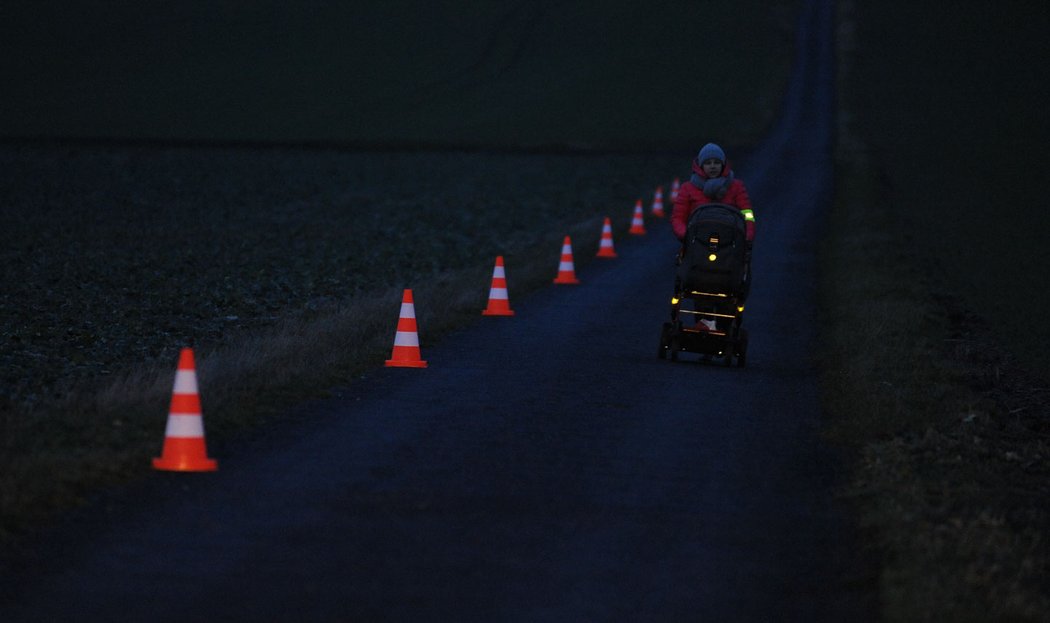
x=730, y=191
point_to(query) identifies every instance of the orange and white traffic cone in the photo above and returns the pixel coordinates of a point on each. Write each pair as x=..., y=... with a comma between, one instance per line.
x=499, y=302
x=566, y=268
x=184, y=449
x=605, y=249
x=406, y=340
x=674, y=189
x=638, y=221
x=658, y=202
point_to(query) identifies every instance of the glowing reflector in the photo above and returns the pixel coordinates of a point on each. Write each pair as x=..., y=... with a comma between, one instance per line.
x=712, y=257
x=674, y=301
x=740, y=309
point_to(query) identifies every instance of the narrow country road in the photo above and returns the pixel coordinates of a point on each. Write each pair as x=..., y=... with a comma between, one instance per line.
x=545, y=467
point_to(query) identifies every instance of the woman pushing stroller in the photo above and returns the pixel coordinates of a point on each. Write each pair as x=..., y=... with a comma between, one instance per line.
x=712, y=181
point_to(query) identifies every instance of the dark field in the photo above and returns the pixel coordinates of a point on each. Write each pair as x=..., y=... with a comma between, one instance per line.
x=114, y=257
x=568, y=74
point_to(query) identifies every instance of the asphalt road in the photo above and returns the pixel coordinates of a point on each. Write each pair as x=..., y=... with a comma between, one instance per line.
x=545, y=467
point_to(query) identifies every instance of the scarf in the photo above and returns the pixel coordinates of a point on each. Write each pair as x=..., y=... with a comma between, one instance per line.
x=714, y=188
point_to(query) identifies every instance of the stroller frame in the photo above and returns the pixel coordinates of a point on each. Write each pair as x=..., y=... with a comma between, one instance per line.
x=725, y=306
x=727, y=340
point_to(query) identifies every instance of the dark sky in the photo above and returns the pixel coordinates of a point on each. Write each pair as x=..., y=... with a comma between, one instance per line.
x=572, y=72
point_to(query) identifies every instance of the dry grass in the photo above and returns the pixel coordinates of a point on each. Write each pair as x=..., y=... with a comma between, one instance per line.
x=885, y=331
x=950, y=434
x=951, y=439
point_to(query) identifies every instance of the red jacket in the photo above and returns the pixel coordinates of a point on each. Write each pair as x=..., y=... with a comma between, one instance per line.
x=689, y=197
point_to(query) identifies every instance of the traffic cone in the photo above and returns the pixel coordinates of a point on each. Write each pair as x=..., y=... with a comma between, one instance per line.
x=566, y=268
x=637, y=223
x=658, y=202
x=406, y=340
x=184, y=449
x=499, y=303
x=674, y=189
x=605, y=249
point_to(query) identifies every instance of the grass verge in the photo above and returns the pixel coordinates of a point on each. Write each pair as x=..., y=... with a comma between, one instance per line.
x=949, y=433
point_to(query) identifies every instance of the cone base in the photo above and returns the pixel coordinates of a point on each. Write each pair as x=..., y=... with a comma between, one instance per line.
x=404, y=363
x=606, y=254
x=497, y=312
x=567, y=280
x=637, y=232
x=185, y=465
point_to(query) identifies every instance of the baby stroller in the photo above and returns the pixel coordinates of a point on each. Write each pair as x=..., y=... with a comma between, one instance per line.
x=711, y=284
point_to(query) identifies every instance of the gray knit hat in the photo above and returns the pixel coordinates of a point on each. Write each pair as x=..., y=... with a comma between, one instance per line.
x=711, y=151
